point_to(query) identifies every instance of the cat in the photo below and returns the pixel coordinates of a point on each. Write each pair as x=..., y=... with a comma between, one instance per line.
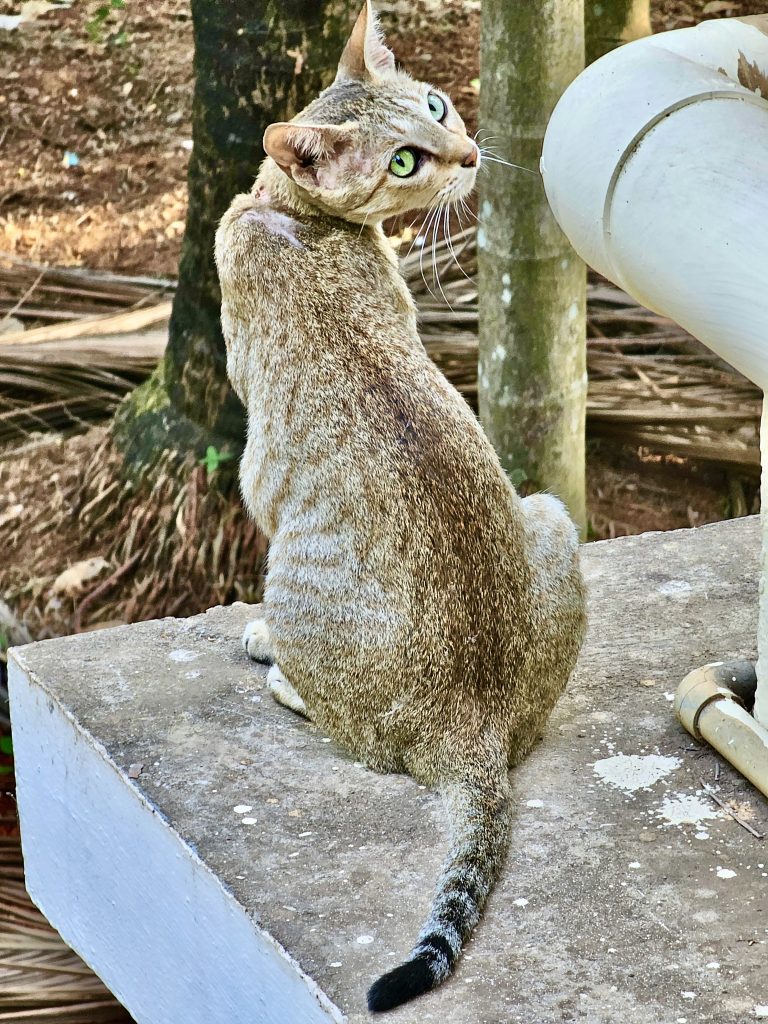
x=415, y=607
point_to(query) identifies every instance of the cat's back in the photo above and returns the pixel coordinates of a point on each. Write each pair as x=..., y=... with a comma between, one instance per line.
x=313, y=277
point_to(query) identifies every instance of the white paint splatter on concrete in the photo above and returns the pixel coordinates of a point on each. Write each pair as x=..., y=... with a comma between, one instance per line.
x=634, y=864
x=521, y=902
x=688, y=995
x=191, y=675
x=183, y=655
x=713, y=965
x=242, y=808
x=534, y=803
x=630, y=772
x=247, y=821
x=725, y=872
x=679, y=589
x=687, y=809
x=364, y=940
x=705, y=916
x=761, y=1011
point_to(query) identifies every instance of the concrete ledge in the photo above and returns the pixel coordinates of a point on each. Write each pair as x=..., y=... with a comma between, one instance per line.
x=613, y=910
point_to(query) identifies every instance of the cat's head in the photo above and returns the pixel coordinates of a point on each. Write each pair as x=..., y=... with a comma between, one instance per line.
x=376, y=143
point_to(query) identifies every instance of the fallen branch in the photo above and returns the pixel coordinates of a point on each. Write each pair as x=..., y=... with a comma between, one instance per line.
x=721, y=803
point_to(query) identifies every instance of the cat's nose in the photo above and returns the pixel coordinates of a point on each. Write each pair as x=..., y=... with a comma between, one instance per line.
x=470, y=160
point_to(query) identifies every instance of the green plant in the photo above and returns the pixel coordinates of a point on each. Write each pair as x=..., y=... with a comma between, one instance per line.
x=214, y=458
x=95, y=26
x=6, y=750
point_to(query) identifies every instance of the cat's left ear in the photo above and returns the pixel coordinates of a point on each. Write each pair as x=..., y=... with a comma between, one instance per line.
x=308, y=153
x=365, y=56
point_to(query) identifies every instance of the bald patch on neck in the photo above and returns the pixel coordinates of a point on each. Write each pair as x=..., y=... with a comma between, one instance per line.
x=274, y=223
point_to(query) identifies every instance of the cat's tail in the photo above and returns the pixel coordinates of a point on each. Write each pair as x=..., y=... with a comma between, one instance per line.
x=479, y=809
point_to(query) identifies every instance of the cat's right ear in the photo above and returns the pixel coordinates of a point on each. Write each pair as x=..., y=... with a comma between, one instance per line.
x=305, y=152
x=365, y=56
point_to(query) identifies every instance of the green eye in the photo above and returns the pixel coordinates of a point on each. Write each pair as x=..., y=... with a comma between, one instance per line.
x=403, y=163
x=437, y=106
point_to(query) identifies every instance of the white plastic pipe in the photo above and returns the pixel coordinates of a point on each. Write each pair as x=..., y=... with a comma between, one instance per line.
x=655, y=163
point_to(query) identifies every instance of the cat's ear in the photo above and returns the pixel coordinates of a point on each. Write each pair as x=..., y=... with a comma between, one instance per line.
x=365, y=55
x=307, y=152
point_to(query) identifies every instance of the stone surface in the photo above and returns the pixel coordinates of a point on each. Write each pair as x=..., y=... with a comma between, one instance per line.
x=609, y=912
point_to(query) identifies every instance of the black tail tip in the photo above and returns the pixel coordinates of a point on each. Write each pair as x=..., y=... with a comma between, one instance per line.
x=406, y=982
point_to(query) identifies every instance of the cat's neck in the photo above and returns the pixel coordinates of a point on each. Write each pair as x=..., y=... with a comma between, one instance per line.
x=280, y=192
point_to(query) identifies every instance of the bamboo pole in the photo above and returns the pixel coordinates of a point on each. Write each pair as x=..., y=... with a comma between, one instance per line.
x=532, y=286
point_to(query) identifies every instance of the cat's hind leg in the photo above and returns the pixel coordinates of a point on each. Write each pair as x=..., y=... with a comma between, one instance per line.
x=284, y=693
x=257, y=642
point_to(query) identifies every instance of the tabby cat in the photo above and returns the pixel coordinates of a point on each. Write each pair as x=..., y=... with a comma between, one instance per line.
x=414, y=606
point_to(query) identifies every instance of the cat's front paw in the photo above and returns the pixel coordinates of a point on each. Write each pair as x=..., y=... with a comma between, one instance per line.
x=284, y=693
x=257, y=643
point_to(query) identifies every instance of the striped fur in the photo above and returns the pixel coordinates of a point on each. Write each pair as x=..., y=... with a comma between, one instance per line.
x=415, y=607
x=480, y=816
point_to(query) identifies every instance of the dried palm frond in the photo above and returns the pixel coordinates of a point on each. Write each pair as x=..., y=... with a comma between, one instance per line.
x=649, y=381
x=71, y=384
x=29, y=291
x=175, y=546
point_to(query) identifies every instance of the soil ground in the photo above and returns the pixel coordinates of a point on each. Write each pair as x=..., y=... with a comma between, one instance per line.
x=117, y=94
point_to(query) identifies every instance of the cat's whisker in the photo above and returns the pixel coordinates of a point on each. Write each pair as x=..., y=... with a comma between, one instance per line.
x=449, y=239
x=438, y=220
x=425, y=230
x=489, y=157
x=446, y=219
x=415, y=237
x=431, y=223
x=468, y=210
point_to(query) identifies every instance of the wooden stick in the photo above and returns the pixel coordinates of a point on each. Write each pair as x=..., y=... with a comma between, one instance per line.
x=112, y=323
x=721, y=803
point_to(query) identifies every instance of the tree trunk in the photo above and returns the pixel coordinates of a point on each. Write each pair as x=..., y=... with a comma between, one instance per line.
x=256, y=61
x=532, y=286
x=611, y=22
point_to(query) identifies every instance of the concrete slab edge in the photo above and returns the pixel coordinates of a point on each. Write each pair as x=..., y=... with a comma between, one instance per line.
x=129, y=896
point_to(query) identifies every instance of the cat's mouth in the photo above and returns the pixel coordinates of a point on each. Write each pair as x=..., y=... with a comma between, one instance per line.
x=456, y=191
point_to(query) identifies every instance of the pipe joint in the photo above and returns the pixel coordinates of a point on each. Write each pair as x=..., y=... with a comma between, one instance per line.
x=721, y=680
